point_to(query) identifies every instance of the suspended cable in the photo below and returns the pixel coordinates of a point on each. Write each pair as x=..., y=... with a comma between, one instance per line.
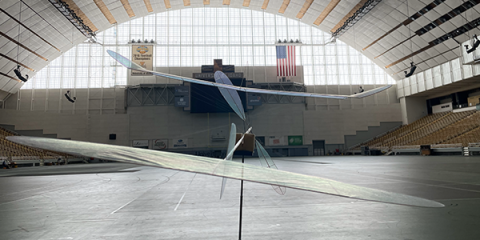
x=45, y=20
x=18, y=34
x=474, y=44
x=410, y=31
x=412, y=66
x=16, y=69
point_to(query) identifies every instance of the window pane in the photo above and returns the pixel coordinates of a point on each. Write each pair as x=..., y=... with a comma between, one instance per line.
x=192, y=37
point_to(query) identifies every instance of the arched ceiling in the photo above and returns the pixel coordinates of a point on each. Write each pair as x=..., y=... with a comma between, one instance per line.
x=385, y=34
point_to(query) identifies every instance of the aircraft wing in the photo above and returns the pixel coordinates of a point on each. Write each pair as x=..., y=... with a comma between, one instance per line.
x=133, y=66
x=216, y=167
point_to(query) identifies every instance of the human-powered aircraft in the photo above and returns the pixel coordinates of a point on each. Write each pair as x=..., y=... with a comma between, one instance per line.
x=133, y=66
x=226, y=168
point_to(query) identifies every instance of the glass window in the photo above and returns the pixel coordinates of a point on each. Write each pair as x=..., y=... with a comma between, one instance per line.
x=193, y=37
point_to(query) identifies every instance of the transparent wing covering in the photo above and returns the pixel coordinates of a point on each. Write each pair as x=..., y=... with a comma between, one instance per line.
x=267, y=162
x=231, y=141
x=231, y=145
x=221, y=168
x=129, y=64
x=230, y=95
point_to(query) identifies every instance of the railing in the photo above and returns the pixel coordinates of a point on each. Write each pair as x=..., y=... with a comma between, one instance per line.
x=453, y=145
x=406, y=147
x=474, y=145
x=383, y=149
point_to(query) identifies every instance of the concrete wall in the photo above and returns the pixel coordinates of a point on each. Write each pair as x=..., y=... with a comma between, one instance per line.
x=98, y=113
x=3, y=95
x=373, y=131
x=168, y=122
x=89, y=101
x=94, y=128
x=413, y=108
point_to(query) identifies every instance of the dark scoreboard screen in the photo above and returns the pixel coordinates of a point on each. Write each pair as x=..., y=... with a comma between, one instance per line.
x=207, y=99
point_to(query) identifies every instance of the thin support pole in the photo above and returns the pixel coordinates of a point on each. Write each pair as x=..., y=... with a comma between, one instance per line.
x=241, y=194
x=241, y=205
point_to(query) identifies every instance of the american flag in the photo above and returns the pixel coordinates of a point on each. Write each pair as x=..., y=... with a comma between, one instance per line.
x=286, y=65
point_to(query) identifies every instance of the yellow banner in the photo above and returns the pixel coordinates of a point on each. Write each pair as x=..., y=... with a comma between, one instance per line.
x=143, y=56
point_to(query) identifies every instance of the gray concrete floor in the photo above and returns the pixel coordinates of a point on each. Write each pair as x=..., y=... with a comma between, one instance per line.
x=120, y=201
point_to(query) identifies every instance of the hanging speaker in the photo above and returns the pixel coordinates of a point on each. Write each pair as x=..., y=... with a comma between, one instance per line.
x=112, y=136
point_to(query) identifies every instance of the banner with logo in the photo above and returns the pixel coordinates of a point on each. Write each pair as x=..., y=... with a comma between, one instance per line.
x=140, y=143
x=143, y=56
x=160, y=144
x=179, y=143
x=276, y=141
x=295, y=140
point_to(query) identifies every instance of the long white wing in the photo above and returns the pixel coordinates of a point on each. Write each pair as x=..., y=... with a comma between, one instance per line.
x=215, y=167
x=131, y=65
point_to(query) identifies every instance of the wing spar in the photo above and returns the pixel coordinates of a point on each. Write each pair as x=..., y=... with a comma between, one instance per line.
x=133, y=66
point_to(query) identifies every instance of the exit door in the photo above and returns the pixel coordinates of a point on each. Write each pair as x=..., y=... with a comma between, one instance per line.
x=318, y=147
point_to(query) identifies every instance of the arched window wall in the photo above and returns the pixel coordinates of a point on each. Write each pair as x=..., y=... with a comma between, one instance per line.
x=196, y=36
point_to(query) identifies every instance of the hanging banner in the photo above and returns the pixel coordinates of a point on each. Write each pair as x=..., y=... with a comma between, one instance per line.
x=143, y=56
x=160, y=144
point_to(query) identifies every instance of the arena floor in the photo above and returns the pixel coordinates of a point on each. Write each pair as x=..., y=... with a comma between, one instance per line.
x=120, y=201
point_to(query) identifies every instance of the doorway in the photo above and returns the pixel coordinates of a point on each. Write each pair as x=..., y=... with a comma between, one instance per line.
x=318, y=147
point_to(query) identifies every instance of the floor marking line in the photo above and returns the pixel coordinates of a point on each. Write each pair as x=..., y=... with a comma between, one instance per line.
x=164, y=181
x=178, y=204
x=118, y=209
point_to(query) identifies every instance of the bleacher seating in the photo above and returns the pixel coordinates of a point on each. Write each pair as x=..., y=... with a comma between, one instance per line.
x=14, y=151
x=459, y=128
x=429, y=128
x=451, y=131
x=383, y=141
x=467, y=138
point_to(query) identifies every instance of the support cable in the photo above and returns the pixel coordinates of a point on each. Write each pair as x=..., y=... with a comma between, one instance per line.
x=45, y=20
x=18, y=34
